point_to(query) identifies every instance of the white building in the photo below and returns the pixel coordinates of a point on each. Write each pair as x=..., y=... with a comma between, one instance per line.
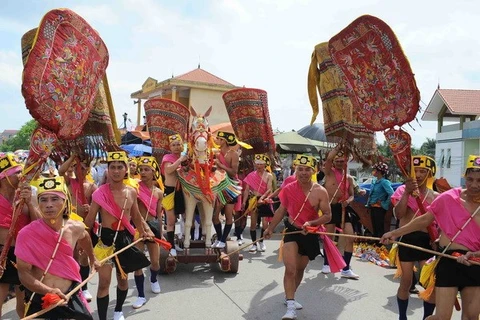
x=461, y=136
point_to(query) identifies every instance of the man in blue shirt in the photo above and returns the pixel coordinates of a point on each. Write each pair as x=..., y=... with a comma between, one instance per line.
x=379, y=199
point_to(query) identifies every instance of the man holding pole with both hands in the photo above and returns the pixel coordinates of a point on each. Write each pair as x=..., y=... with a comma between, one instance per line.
x=301, y=201
x=456, y=214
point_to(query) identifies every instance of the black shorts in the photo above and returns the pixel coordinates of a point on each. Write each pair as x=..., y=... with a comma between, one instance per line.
x=131, y=259
x=308, y=245
x=75, y=309
x=178, y=199
x=10, y=275
x=264, y=210
x=419, y=239
x=337, y=214
x=153, y=225
x=450, y=273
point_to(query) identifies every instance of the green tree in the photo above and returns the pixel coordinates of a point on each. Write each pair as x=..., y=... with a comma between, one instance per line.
x=428, y=148
x=21, y=140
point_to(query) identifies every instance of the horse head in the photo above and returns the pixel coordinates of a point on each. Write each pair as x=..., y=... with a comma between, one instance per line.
x=200, y=136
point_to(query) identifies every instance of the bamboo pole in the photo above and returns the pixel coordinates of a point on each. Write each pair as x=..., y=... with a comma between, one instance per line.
x=79, y=286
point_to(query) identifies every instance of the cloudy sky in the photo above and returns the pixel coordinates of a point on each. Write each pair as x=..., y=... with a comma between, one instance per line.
x=259, y=43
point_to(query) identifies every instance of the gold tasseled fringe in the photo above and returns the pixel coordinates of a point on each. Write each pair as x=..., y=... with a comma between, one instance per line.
x=122, y=273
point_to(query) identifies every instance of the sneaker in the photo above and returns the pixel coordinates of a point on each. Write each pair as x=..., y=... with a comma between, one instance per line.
x=173, y=252
x=297, y=305
x=220, y=245
x=87, y=295
x=240, y=241
x=177, y=248
x=326, y=269
x=262, y=247
x=253, y=248
x=155, y=286
x=137, y=304
x=215, y=244
x=118, y=315
x=291, y=313
x=349, y=274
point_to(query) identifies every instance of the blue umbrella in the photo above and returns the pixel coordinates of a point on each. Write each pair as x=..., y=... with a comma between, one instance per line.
x=136, y=150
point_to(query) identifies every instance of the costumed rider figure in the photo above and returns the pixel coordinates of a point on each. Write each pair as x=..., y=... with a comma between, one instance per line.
x=44, y=251
x=117, y=204
x=405, y=210
x=300, y=202
x=227, y=159
x=173, y=201
x=456, y=212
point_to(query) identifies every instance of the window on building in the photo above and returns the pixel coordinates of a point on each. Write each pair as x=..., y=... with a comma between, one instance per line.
x=442, y=158
x=448, y=158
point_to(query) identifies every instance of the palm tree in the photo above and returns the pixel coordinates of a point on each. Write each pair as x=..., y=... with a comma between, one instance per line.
x=428, y=148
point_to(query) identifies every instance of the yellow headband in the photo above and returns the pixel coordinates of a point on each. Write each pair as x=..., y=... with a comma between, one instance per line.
x=117, y=156
x=52, y=185
x=307, y=161
x=175, y=137
x=473, y=162
x=262, y=159
x=424, y=162
x=152, y=163
x=7, y=163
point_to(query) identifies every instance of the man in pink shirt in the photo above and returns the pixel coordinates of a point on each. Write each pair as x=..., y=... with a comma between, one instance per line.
x=456, y=214
x=300, y=201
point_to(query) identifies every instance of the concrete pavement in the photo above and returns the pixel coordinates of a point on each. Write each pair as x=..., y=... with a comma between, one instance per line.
x=202, y=291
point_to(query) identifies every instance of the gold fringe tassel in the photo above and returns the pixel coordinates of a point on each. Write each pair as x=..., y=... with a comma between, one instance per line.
x=122, y=273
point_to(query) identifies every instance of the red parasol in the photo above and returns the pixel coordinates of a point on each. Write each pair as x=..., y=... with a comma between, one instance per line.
x=64, y=66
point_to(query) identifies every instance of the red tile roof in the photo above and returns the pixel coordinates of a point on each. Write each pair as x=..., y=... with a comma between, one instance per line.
x=200, y=75
x=461, y=101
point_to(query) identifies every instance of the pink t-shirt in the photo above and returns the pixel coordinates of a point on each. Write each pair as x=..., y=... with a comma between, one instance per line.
x=451, y=215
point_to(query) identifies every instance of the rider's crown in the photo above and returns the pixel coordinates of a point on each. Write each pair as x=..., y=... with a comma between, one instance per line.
x=227, y=136
x=174, y=137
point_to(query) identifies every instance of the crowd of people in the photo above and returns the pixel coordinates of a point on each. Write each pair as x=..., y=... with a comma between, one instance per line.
x=76, y=216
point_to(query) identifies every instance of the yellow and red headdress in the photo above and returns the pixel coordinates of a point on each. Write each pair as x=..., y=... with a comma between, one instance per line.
x=54, y=185
x=152, y=163
x=473, y=162
x=426, y=162
x=9, y=166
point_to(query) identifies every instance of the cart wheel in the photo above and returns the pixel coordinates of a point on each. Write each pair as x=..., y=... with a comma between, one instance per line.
x=163, y=260
x=232, y=246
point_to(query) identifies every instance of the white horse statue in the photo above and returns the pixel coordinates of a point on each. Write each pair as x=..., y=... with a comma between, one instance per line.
x=202, y=185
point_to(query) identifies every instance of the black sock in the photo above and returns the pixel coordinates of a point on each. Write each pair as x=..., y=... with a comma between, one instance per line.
x=121, y=296
x=325, y=259
x=218, y=230
x=171, y=238
x=139, y=282
x=153, y=275
x=238, y=232
x=253, y=235
x=402, y=308
x=347, y=256
x=84, y=273
x=414, y=281
x=102, y=307
x=226, y=232
x=428, y=309
x=261, y=234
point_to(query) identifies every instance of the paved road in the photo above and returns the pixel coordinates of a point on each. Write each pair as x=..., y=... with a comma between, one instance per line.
x=202, y=291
